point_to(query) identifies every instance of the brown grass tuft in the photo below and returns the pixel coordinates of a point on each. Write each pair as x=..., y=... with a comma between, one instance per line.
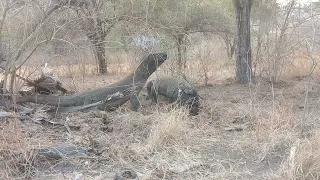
x=16, y=161
x=168, y=128
x=303, y=161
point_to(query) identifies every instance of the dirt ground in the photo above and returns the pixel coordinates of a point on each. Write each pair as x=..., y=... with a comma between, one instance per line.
x=262, y=131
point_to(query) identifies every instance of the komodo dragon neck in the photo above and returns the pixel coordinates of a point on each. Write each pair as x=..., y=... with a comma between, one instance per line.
x=137, y=79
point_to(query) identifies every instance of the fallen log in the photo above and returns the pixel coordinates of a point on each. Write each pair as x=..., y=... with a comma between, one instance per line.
x=129, y=87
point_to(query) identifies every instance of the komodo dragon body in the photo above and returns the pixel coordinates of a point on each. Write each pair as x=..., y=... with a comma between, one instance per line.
x=128, y=88
x=176, y=89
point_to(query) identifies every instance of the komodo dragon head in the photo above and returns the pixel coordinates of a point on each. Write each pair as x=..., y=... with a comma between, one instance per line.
x=189, y=97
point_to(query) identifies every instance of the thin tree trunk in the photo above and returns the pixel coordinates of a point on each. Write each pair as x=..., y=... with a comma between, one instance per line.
x=229, y=45
x=99, y=51
x=258, y=51
x=5, y=82
x=12, y=81
x=243, y=57
x=280, y=46
x=181, y=54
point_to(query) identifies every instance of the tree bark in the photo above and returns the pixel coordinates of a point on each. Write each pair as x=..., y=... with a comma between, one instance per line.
x=243, y=56
x=99, y=51
x=96, y=33
x=102, y=59
x=229, y=45
x=181, y=50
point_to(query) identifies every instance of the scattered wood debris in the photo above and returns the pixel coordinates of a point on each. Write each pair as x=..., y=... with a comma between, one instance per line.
x=47, y=83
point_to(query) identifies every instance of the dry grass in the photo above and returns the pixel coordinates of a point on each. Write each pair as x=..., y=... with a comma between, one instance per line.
x=14, y=144
x=304, y=159
x=169, y=129
x=163, y=142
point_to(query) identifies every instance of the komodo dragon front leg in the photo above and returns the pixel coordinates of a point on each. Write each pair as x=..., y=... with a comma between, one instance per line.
x=134, y=100
x=152, y=92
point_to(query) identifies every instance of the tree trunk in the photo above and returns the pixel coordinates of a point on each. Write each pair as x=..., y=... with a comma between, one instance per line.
x=229, y=45
x=12, y=81
x=181, y=50
x=94, y=27
x=243, y=57
x=100, y=56
x=258, y=51
x=99, y=50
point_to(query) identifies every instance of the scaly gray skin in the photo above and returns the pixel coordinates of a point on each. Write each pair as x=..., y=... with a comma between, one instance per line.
x=176, y=89
x=129, y=87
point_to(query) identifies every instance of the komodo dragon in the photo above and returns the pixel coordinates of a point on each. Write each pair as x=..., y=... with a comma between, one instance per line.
x=176, y=89
x=109, y=97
